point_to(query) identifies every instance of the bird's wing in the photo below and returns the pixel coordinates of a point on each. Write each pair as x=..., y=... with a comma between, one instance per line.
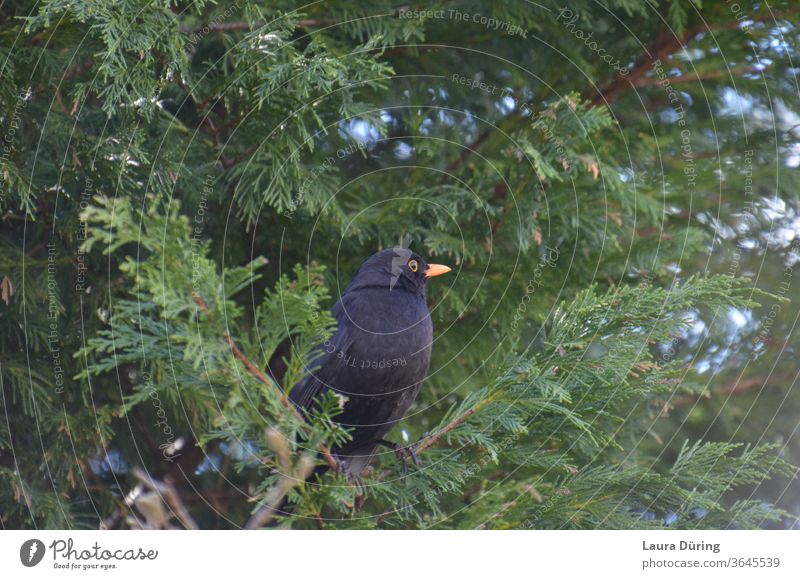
x=329, y=365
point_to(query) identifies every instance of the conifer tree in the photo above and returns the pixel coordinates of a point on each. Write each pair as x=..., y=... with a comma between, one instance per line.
x=186, y=185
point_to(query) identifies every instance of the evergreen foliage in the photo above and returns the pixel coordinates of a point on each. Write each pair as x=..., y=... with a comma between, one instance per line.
x=187, y=185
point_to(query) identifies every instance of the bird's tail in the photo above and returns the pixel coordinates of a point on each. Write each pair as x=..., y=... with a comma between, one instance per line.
x=353, y=462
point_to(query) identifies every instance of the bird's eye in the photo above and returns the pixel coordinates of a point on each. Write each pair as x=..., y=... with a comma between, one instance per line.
x=413, y=265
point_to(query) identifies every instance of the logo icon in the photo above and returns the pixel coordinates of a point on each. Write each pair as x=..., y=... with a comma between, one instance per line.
x=31, y=553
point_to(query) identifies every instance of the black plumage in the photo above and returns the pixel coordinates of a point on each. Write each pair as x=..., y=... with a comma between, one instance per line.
x=379, y=355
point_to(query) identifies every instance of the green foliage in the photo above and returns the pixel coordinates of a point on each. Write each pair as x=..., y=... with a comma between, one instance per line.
x=188, y=187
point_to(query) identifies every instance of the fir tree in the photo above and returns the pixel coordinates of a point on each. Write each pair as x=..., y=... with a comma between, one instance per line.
x=185, y=185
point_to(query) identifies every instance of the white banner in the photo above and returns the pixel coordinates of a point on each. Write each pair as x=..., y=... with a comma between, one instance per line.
x=402, y=554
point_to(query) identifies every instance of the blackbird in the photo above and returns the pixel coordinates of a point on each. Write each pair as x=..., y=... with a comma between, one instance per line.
x=378, y=357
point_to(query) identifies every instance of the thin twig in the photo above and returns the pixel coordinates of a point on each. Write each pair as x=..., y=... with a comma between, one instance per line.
x=248, y=26
x=170, y=496
x=259, y=375
x=289, y=479
x=736, y=387
x=666, y=44
x=275, y=497
x=426, y=443
x=252, y=368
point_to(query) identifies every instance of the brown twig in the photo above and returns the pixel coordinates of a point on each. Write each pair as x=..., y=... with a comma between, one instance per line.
x=275, y=497
x=289, y=479
x=426, y=443
x=664, y=45
x=62, y=105
x=228, y=163
x=738, y=386
x=252, y=368
x=259, y=375
x=706, y=76
x=466, y=153
x=76, y=70
x=170, y=496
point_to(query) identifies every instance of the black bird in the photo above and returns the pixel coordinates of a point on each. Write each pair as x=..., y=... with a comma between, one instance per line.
x=379, y=355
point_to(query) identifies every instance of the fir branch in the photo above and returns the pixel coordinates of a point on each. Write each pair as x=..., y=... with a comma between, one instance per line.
x=261, y=377
x=666, y=44
x=431, y=440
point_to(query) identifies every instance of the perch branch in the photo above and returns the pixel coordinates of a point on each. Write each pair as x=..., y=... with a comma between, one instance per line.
x=426, y=443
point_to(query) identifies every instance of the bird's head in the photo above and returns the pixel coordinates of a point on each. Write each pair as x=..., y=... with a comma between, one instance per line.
x=396, y=269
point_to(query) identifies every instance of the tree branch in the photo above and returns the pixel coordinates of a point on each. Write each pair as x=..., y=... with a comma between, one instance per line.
x=708, y=75
x=664, y=45
x=260, y=376
x=736, y=387
x=428, y=442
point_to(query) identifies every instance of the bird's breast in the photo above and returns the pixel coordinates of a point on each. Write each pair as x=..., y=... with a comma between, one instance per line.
x=381, y=312
x=390, y=341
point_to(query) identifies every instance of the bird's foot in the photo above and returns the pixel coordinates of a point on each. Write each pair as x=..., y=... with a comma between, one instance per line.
x=341, y=466
x=404, y=453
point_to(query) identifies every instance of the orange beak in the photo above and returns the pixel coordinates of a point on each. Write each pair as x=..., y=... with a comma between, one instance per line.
x=435, y=269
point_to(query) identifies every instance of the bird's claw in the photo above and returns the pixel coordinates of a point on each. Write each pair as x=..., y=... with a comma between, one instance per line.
x=409, y=450
x=403, y=453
